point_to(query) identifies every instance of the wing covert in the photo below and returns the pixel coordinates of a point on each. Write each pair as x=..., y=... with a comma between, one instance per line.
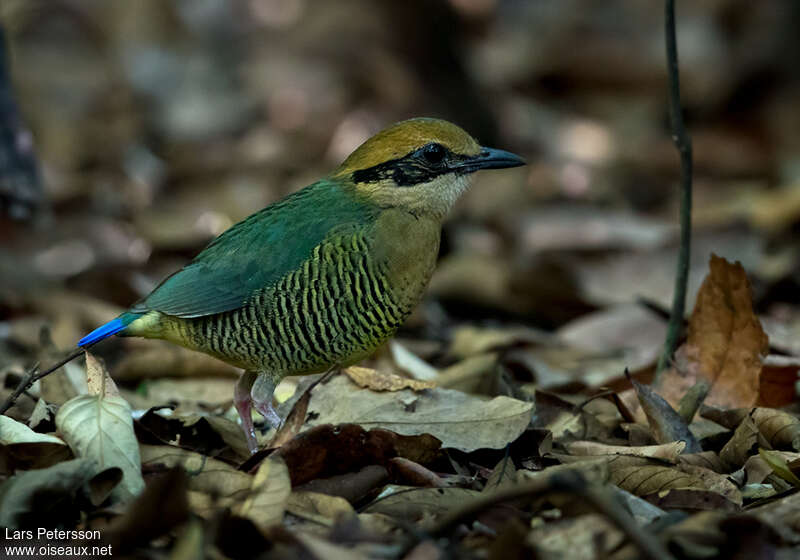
x=257, y=252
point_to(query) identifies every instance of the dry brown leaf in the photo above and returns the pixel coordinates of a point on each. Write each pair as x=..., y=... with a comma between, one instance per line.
x=210, y=478
x=708, y=432
x=320, y=508
x=326, y=450
x=565, y=420
x=369, y=378
x=504, y=475
x=650, y=479
x=666, y=451
x=777, y=382
x=638, y=434
x=41, y=412
x=654, y=479
x=98, y=425
x=667, y=425
x=98, y=379
x=415, y=504
x=612, y=462
x=745, y=442
x=412, y=473
x=714, y=482
x=458, y=420
x=691, y=499
x=707, y=459
x=781, y=429
x=352, y=486
x=266, y=501
x=730, y=418
x=725, y=339
x=756, y=470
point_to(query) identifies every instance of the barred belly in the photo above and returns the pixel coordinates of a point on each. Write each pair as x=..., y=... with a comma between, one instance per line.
x=334, y=310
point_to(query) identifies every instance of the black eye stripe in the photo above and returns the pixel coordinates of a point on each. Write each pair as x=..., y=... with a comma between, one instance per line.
x=420, y=166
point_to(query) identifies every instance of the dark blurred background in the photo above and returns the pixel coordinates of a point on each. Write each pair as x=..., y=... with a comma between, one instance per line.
x=157, y=124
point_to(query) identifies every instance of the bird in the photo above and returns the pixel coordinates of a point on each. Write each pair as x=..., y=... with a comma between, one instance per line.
x=323, y=277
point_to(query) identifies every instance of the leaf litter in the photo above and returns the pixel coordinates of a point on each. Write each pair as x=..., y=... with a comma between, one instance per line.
x=369, y=452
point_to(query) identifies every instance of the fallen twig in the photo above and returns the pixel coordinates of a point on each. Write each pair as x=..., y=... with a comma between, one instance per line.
x=684, y=145
x=33, y=375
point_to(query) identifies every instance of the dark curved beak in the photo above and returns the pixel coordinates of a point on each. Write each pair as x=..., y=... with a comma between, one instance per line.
x=488, y=158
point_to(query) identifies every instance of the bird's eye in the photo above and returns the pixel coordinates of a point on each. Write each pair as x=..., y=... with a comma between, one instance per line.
x=434, y=153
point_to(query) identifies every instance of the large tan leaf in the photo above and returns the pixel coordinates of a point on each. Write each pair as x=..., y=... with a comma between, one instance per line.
x=651, y=479
x=460, y=421
x=726, y=341
x=99, y=426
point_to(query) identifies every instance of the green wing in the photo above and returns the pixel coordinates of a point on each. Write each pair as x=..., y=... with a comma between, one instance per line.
x=257, y=252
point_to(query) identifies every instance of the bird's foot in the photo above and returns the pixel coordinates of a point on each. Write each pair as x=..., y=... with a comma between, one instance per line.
x=243, y=403
x=261, y=395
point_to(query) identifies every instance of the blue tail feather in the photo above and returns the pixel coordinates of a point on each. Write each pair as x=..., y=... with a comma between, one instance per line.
x=109, y=329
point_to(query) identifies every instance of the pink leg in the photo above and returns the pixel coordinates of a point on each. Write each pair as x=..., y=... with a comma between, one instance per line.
x=261, y=396
x=243, y=402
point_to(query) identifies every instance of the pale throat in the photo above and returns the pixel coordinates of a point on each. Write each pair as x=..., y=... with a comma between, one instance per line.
x=434, y=198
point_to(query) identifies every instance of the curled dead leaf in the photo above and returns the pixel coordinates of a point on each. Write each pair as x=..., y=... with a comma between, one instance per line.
x=666, y=451
x=375, y=380
x=326, y=450
x=781, y=429
x=746, y=441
